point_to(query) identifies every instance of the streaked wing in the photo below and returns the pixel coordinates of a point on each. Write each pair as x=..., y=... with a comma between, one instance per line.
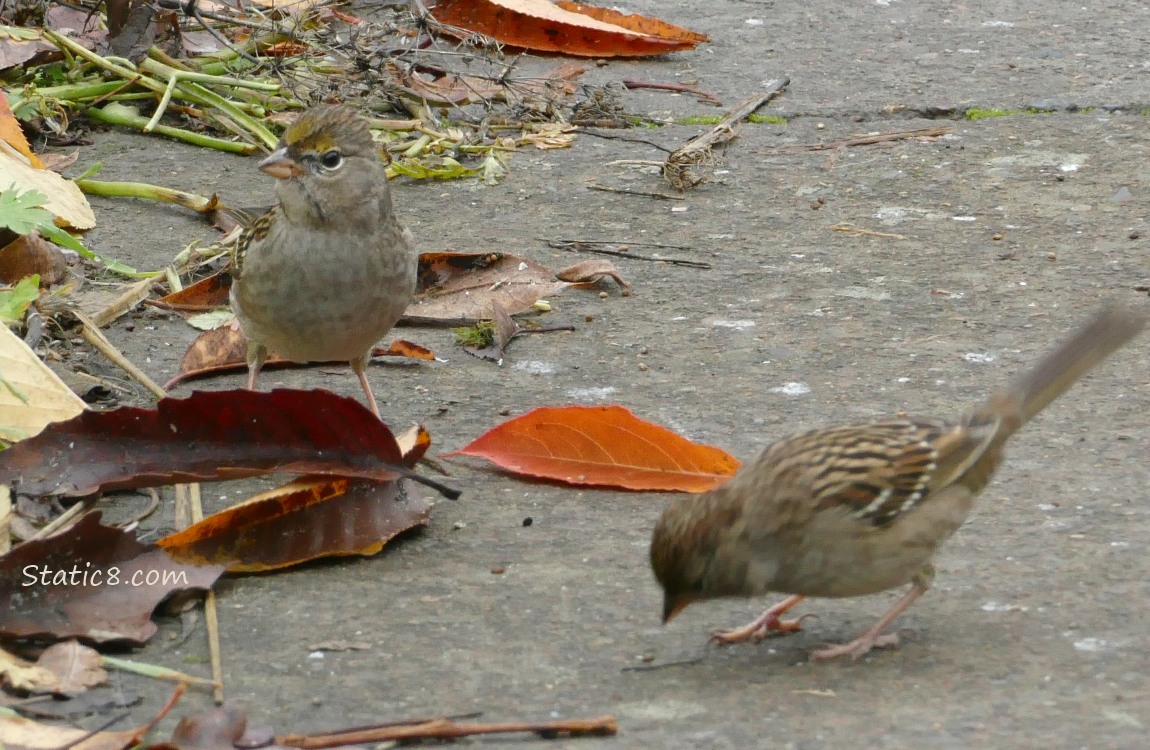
x=881, y=470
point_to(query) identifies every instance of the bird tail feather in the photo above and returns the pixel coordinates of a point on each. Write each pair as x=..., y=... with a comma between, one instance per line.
x=1105, y=334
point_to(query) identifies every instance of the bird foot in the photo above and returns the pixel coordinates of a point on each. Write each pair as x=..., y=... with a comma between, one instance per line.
x=856, y=648
x=757, y=630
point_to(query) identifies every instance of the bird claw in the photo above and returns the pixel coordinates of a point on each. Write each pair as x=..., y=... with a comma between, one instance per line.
x=856, y=648
x=756, y=631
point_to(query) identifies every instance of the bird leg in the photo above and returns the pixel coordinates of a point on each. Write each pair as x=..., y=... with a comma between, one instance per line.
x=257, y=355
x=874, y=637
x=359, y=367
x=762, y=626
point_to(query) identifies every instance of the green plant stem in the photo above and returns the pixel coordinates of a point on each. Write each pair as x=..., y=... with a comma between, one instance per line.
x=118, y=114
x=150, y=192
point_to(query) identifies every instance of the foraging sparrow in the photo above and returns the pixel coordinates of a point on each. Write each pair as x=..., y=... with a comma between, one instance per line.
x=328, y=270
x=856, y=509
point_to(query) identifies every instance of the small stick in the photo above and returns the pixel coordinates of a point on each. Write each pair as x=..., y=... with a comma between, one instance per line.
x=576, y=246
x=397, y=723
x=643, y=193
x=60, y=521
x=5, y=519
x=860, y=232
x=660, y=245
x=211, y=613
x=144, y=730
x=698, y=150
x=132, y=296
x=443, y=729
x=705, y=97
x=862, y=140
x=663, y=665
x=96, y=338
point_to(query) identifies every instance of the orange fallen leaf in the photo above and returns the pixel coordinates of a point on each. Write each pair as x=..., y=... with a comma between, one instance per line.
x=568, y=28
x=601, y=445
x=12, y=134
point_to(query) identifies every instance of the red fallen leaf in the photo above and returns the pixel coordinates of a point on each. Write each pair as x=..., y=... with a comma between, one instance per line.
x=569, y=28
x=225, y=349
x=90, y=581
x=304, y=520
x=601, y=445
x=209, y=436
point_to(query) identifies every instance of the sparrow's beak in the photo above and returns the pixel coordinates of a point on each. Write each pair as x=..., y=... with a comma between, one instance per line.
x=673, y=605
x=281, y=166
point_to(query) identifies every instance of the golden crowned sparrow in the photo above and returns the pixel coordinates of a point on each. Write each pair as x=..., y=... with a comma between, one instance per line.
x=856, y=509
x=328, y=271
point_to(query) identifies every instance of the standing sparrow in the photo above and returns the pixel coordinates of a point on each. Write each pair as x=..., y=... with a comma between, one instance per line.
x=856, y=509
x=328, y=270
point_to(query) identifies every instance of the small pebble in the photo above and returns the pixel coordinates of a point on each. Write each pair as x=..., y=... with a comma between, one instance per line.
x=590, y=318
x=647, y=657
x=1135, y=235
x=498, y=570
x=505, y=411
x=528, y=521
x=643, y=367
x=602, y=295
x=820, y=126
x=996, y=237
x=1052, y=255
x=643, y=350
x=458, y=525
x=624, y=248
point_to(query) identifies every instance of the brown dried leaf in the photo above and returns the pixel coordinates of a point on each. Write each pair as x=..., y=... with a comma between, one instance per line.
x=205, y=295
x=460, y=287
x=589, y=272
x=224, y=349
x=25, y=734
x=76, y=667
x=300, y=521
x=29, y=254
x=505, y=330
x=215, y=729
x=446, y=89
x=24, y=676
x=90, y=581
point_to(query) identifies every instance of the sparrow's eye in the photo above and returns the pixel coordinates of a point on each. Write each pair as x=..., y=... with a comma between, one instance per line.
x=331, y=160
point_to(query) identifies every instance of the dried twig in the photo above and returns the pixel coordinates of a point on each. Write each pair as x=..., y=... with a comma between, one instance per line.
x=591, y=246
x=94, y=336
x=705, y=97
x=644, y=193
x=445, y=729
x=663, y=665
x=211, y=613
x=679, y=167
x=862, y=140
